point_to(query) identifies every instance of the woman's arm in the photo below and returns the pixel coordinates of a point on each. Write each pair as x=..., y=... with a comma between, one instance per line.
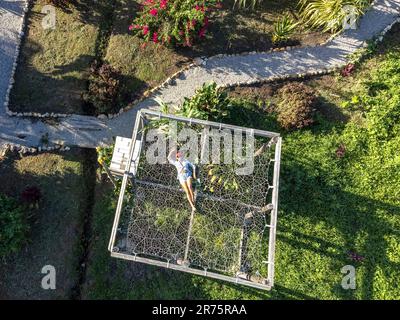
x=171, y=156
x=194, y=171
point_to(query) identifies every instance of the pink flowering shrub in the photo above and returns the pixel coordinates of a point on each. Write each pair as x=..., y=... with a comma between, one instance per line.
x=178, y=22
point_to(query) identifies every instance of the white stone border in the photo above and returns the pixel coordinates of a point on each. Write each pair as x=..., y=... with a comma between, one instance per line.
x=23, y=150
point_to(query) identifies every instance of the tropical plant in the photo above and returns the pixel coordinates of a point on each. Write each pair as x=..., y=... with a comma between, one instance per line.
x=296, y=105
x=13, y=226
x=329, y=15
x=173, y=21
x=209, y=103
x=283, y=29
x=104, y=155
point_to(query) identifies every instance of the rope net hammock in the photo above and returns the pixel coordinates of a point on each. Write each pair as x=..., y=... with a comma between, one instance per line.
x=231, y=234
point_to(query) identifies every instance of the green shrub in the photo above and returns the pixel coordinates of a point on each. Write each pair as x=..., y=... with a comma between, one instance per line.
x=209, y=103
x=295, y=105
x=104, y=155
x=283, y=29
x=13, y=226
x=328, y=15
x=104, y=88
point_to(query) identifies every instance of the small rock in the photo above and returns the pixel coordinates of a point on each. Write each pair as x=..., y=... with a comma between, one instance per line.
x=198, y=61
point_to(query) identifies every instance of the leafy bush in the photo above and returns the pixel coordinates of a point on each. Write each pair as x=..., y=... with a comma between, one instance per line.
x=283, y=30
x=104, y=155
x=104, y=87
x=209, y=103
x=328, y=15
x=173, y=21
x=221, y=176
x=13, y=226
x=296, y=105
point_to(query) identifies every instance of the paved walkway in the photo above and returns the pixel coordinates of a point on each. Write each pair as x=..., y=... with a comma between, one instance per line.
x=86, y=131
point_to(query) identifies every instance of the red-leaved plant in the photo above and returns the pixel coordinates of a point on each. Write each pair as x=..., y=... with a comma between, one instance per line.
x=31, y=196
x=341, y=151
x=176, y=22
x=348, y=70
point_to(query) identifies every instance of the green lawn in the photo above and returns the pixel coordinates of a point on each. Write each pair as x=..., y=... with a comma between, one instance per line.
x=330, y=206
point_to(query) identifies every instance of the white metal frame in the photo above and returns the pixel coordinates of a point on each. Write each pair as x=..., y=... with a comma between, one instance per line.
x=184, y=268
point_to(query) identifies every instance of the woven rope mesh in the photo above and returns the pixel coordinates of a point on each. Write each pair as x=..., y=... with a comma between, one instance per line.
x=227, y=234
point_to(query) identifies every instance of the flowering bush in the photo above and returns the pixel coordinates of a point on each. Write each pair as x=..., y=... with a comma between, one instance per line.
x=178, y=22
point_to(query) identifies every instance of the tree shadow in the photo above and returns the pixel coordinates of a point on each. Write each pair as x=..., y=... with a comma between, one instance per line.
x=60, y=89
x=331, y=111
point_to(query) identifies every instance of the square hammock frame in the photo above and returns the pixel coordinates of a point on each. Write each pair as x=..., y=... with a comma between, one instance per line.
x=127, y=176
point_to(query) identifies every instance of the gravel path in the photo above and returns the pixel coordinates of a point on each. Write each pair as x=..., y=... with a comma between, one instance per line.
x=11, y=16
x=86, y=131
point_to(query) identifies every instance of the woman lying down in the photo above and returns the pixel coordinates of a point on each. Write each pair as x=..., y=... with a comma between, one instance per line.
x=186, y=174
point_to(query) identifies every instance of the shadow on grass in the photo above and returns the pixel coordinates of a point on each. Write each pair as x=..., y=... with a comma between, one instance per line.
x=62, y=88
x=352, y=215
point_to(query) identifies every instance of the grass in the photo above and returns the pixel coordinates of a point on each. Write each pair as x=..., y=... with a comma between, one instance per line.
x=53, y=67
x=56, y=227
x=329, y=206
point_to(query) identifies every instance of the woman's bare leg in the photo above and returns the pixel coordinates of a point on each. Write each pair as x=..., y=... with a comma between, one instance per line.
x=190, y=188
x=189, y=197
